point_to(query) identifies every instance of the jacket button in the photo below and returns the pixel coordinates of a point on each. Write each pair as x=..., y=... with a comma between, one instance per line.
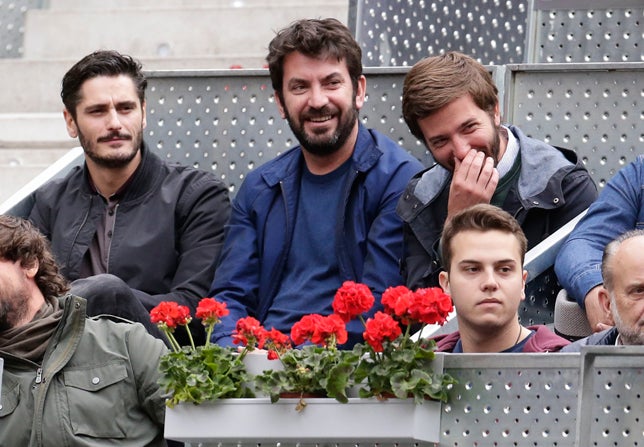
x=406, y=196
x=95, y=380
x=534, y=202
x=556, y=200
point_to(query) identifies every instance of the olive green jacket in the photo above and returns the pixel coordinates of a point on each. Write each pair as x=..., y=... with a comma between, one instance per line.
x=97, y=385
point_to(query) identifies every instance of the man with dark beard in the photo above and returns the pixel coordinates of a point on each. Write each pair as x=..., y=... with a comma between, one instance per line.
x=129, y=229
x=62, y=383
x=450, y=102
x=323, y=212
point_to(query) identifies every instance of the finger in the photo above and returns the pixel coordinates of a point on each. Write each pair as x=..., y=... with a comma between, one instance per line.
x=462, y=168
x=474, y=170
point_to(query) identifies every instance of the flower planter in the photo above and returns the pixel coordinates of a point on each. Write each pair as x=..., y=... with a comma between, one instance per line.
x=323, y=419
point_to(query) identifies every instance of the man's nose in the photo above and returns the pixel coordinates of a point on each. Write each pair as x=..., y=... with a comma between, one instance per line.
x=113, y=120
x=489, y=280
x=317, y=97
x=460, y=146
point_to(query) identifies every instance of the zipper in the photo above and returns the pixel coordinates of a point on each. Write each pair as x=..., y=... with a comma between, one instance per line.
x=109, y=249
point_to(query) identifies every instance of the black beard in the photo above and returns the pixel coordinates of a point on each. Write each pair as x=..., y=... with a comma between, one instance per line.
x=106, y=162
x=334, y=143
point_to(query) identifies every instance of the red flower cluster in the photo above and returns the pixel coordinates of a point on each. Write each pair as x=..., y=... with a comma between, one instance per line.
x=427, y=306
x=170, y=314
x=381, y=328
x=352, y=299
x=211, y=311
x=250, y=333
x=324, y=331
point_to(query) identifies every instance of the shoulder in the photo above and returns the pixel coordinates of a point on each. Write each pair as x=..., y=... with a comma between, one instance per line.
x=544, y=340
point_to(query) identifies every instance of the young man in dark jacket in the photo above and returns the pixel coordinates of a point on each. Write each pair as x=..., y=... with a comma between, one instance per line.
x=323, y=212
x=68, y=379
x=484, y=248
x=128, y=228
x=450, y=103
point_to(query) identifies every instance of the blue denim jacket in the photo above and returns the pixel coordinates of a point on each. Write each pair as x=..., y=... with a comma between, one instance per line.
x=619, y=208
x=258, y=236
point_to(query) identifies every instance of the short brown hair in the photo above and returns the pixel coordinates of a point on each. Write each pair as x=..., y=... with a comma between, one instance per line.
x=481, y=217
x=318, y=38
x=21, y=241
x=434, y=82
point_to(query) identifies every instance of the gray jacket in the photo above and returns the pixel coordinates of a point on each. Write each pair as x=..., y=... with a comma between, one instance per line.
x=97, y=385
x=553, y=187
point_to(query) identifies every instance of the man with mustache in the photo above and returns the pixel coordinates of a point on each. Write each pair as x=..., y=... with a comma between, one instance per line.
x=450, y=103
x=483, y=248
x=323, y=212
x=129, y=229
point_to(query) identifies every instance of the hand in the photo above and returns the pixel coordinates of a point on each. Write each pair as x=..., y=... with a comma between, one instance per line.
x=474, y=181
x=598, y=316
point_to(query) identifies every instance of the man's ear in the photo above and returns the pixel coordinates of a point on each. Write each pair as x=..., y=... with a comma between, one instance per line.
x=31, y=269
x=72, y=130
x=280, y=106
x=443, y=280
x=605, y=303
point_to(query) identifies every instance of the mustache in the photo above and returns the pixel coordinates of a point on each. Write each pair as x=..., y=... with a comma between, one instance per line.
x=113, y=135
x=317, y=113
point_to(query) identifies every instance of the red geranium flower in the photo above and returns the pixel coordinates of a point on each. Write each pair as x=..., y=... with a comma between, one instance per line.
x=275, y=342
x=303, y=330
x=330, y=331
x=397, y=301
x=249, y=332
x=170, y=314
x=381, y=328
x=211, y=311
x=324, y=331
x=430, y=306
x=351, y=300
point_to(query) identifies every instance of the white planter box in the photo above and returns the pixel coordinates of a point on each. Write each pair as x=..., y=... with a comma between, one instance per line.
x=257, y=420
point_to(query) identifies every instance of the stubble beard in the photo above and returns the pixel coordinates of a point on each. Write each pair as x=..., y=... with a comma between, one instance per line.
x=115, y=161
x=13, y=309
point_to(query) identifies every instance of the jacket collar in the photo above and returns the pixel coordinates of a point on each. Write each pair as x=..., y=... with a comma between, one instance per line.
x=141, y=182
x=542, y=171
x=287, y=166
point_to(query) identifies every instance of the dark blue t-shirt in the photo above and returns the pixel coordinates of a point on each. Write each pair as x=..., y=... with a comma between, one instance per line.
x=311, y=277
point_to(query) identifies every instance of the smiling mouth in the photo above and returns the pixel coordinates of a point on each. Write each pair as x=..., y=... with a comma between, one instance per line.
x=320, y=119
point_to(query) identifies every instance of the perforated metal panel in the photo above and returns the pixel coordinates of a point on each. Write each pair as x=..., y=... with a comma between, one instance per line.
x=227, y=122
x=511, y=400
x=12, y=25
x=540, y=296
x=587, y=31
x=401, y=32
x=595, y=109
x=611, y=404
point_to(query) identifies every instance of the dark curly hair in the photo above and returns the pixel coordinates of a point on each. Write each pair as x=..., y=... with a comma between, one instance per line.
x=21, y=241
x=317, y=38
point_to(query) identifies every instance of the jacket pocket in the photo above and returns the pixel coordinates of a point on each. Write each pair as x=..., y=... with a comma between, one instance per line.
x=10, y=398
x=96, y=397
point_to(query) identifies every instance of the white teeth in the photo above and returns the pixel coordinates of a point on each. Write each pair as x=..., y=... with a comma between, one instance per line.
x=321, y=119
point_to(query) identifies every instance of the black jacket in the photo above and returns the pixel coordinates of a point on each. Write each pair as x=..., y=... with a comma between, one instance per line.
x=553, y=187
x=167, y=236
